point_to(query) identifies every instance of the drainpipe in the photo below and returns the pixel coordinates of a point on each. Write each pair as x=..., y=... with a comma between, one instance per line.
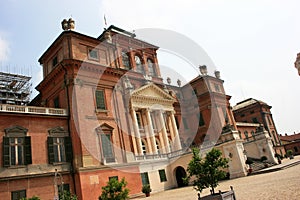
x=69, y=111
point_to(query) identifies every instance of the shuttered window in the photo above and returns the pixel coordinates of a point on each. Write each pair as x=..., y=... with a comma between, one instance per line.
x=100, y=100
x=59, y=149
x=16, y=151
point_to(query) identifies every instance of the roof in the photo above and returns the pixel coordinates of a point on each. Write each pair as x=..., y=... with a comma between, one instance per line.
x=247, y=102
x=290, y=138
x=118, y=30
x=247, y=124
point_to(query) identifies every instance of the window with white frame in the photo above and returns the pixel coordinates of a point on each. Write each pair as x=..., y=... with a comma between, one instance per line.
x=59, y=146
x=16, y=147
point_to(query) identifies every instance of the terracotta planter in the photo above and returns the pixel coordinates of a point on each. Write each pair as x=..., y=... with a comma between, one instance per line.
x=147, y=194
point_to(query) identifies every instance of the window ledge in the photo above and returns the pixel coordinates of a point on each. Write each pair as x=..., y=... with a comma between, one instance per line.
x=59, y=163
x=101, y=111
x=16, y=166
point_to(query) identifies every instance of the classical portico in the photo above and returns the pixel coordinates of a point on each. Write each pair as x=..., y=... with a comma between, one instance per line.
x=154, y=129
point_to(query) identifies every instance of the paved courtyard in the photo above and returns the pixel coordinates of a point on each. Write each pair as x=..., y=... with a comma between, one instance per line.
x=282, y=184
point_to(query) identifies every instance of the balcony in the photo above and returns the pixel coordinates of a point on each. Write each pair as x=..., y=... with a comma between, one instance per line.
x=33, y=110
x=160, y=156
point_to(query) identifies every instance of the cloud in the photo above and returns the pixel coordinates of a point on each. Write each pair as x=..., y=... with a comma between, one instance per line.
x=4, y=49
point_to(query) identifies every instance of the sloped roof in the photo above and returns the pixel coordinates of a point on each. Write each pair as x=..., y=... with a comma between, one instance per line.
x=290, y=138
x=247, y=102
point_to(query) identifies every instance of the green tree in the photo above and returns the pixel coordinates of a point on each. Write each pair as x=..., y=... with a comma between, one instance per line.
x=115, y=190
x=66, y=195
x=207, y=172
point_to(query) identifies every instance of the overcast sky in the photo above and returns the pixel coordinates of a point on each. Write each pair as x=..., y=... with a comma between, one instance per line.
x=253, y=43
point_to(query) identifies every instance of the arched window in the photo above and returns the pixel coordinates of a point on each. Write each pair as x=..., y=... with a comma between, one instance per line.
x=144, y=147
x=138, y=63
x=157, y=146
x=151, y=67
x=253, y=136
x=125, y=60
x=246, y=135
x=240, y=134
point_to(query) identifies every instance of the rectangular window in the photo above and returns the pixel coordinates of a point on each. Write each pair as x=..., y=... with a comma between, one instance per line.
x=62, y=188
x=56, y=102
x=270, y=121
x=254, y=120
x=217, y=88
x=17, y=195
x=115, y=177
x=162, y=175
x=59, y=149
x=195, y=92
x=176, y=120
x=93, y=54
x=100, y=100
x=201, y=120
x=154, y=125
x=145, y=178
x=139, y=120
x=16, y=151
x=185, y=124
x=107, y=148
x=54, y=61
x=166, y=120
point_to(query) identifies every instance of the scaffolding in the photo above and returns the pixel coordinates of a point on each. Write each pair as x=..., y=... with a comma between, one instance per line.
x=14, y=89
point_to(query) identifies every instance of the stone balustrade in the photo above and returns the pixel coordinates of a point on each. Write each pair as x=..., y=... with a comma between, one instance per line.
x=33, y=110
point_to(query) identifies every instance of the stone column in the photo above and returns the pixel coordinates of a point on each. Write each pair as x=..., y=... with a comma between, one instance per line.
x=137, y=132
x=135, y=150
x=164, y=133
x=151, y=132
x=147, y=131
x=176, y=139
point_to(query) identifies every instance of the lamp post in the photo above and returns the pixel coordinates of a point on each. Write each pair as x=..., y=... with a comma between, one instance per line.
x=58, y=178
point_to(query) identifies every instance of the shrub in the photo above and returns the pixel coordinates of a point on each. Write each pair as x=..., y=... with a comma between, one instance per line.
x=66, y=195
x=146, y=189
x=115, y=190
x=249, y=161
x=263, y=158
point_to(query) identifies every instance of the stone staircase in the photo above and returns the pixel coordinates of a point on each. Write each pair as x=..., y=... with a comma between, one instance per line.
x=258, y=165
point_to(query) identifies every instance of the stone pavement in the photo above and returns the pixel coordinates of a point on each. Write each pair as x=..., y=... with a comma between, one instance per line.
x=282, y=182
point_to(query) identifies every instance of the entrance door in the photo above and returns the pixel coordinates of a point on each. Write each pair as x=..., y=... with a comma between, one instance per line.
x=180, y=174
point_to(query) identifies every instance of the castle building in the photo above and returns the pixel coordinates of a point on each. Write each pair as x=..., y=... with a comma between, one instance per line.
x=249, y=114
x=104, y=112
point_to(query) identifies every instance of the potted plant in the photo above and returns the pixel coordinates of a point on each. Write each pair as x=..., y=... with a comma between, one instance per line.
x=249, y=162
x=146, y=189
x=264, y=159
x=289, y=154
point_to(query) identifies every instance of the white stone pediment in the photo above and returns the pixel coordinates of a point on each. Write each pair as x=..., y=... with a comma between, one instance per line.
x=151, y=91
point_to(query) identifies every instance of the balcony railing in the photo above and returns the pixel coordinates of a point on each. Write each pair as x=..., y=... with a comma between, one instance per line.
x=160, y=156
x=32, y=110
